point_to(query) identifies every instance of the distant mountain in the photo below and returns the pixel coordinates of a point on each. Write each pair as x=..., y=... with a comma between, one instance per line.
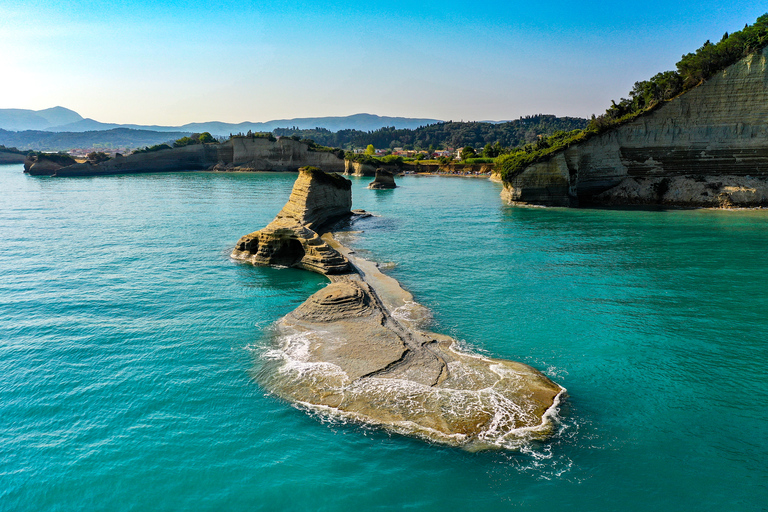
x=62, y=141
x=17, y=119
x=362, y=122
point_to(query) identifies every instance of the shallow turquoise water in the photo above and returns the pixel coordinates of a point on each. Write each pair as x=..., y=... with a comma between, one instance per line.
x=127, y=350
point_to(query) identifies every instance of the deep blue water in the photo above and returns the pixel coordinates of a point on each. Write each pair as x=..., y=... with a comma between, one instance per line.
x=129, y=342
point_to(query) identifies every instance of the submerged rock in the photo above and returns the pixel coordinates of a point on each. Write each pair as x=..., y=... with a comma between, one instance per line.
x=357, y=349
x=383, y=180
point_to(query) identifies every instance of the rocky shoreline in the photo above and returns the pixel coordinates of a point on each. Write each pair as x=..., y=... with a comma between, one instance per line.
x=357, y=349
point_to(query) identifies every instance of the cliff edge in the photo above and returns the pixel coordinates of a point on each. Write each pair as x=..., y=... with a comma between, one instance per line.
x=704, y=148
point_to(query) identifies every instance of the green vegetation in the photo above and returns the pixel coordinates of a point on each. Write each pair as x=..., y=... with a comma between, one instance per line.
x=468, y=152
x=377, y=161
x=62, y=159
x=692, y=70
x=151, y=149
x=443, y=135
x=12, y=150
x=254, y=135
x=96, y=157
x=195, y=138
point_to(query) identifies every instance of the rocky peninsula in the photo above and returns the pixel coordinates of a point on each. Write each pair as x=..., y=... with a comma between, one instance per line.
x=358, y=348
x=237, y=154
x=705, y=147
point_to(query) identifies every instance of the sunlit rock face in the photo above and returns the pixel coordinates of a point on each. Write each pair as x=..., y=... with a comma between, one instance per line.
x=357, y=350
x=291, y=239
x=715, y=132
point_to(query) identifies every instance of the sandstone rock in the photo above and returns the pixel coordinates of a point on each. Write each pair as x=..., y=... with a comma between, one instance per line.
x=383, y=180
x=715, y=129
x=356, y=348
x=291, y=239
x=359, y=169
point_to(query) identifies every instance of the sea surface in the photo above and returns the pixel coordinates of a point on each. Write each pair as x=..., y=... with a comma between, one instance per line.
x=129, y=343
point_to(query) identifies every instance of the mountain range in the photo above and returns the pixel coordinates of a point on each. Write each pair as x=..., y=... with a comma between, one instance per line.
x=60, y=119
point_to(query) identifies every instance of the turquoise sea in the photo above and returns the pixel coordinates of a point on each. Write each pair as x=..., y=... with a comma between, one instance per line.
x=129, y=343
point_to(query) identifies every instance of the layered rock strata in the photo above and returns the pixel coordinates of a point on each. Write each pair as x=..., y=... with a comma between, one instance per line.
x=714, y=132
x=357, y=349
x=383, y=180
x=292, y=238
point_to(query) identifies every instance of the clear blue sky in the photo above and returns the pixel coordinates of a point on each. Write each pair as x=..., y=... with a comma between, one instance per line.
x=169, y=62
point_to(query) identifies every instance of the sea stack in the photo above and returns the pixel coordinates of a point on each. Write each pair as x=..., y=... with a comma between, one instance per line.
x=292, y=238
x=383, y=180
x=357, y=349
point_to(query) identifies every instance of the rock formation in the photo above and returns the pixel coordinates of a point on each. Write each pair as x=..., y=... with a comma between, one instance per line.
x=714, y=133
x=9, y=157
x=358, y=168
x=46, y=165
x=237, y=154
x=357, y=349
x=292, y=239
x=383, y=180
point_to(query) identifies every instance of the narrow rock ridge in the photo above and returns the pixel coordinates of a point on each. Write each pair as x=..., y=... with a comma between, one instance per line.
x=357, y=350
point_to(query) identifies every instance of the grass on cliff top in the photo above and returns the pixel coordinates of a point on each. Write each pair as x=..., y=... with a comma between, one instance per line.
x=692, y=70
x=332, y=179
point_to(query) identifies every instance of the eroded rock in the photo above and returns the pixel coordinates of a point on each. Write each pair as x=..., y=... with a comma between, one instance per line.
x=291, y=239
x=383, y=180
x=357, y=349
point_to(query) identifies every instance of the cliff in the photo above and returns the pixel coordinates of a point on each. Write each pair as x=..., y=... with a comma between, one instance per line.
x=9, y=157
x=188, y=158
x=356, y=348
x=292, y=238
x=237, y=154
x=713, y=135
x=285, y=154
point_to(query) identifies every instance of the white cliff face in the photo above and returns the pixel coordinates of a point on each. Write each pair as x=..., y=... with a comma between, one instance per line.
x=261, y=154
x=717, y=129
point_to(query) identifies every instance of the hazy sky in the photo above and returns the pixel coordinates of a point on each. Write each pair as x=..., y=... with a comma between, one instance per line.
x=169, y=62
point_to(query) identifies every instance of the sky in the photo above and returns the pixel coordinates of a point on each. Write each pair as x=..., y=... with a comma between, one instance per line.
x=170, y=63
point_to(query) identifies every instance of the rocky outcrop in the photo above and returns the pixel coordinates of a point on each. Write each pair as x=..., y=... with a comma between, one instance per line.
x=196, y=157
x=716, y=131
x=237, y=154
x=46, y=164
x=357, y=349
x=284, y=154
x=292, y=238
x=383, y=180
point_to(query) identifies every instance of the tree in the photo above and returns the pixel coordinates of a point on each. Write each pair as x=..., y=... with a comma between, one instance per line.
x=370, y=150
x=468, y=152
x=206, y=138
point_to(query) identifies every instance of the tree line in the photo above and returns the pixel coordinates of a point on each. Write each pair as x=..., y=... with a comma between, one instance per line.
x=436, y=136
